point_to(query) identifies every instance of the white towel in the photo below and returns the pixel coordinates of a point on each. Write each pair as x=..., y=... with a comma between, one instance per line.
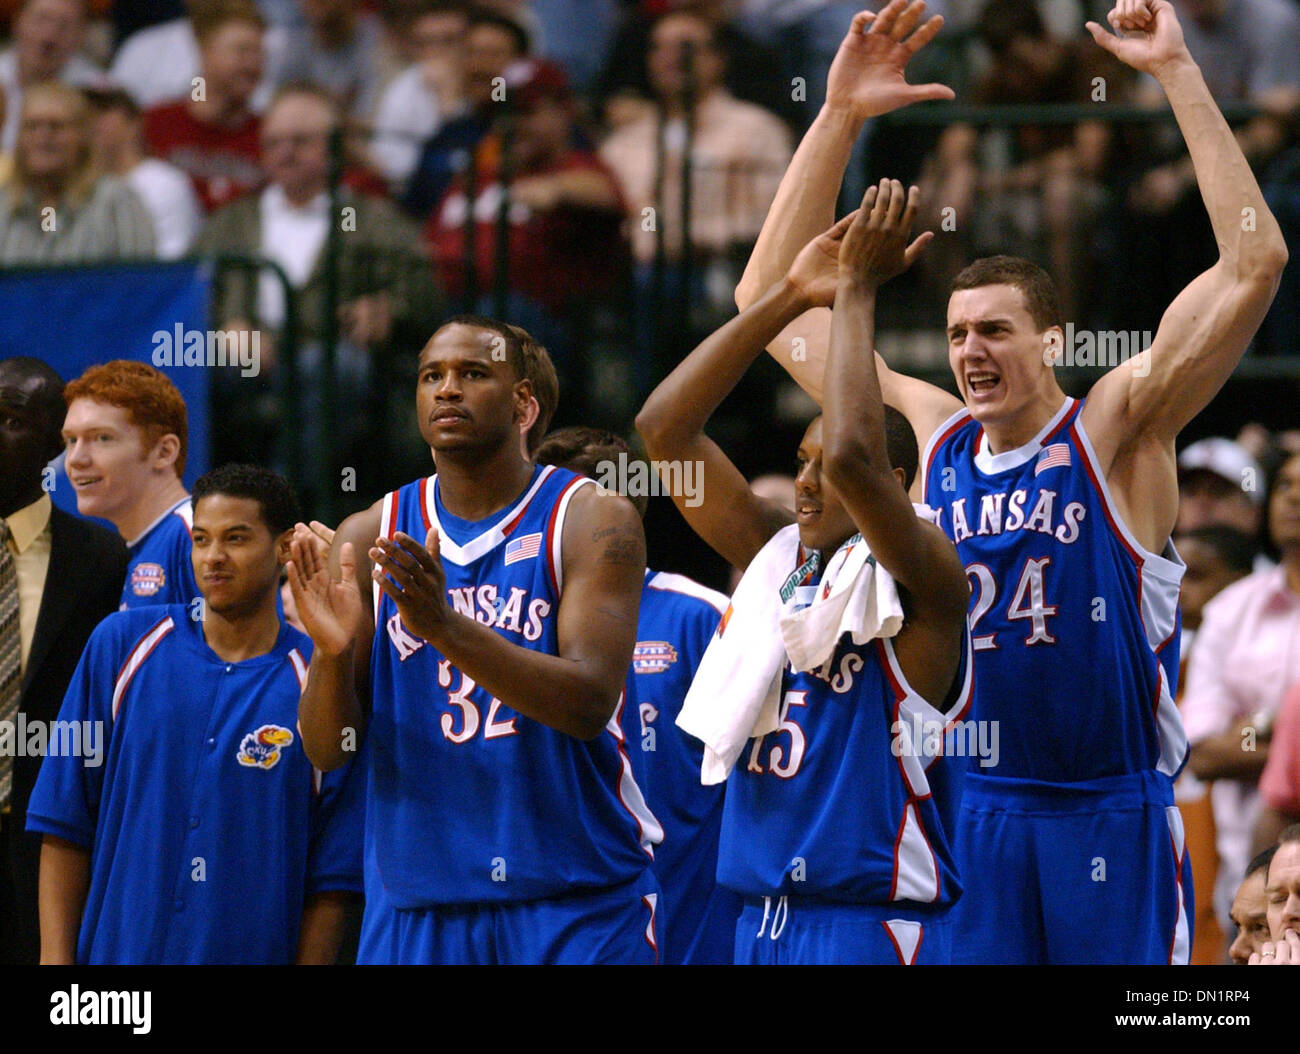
x=736, y=691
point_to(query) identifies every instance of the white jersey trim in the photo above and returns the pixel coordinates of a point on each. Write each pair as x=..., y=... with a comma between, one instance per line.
x=387, y=517
x=299, y=667
x=941, y=435
x=991, y=464
x=671, y=583
x=143, y=649
x=556, y=552
x=649, y=829
x=182, y=508
x=1159, y=580
x=1181, y=945
x=486, y=541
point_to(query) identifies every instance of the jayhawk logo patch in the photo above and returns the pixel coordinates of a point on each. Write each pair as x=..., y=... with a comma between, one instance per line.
x=261, y=749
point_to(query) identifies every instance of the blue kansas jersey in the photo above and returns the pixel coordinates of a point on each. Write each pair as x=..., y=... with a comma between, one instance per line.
x=1074, y=624
x=159, y=566
x=842, y=802
x=470, y=802
x=677, y=621
x=207, y=826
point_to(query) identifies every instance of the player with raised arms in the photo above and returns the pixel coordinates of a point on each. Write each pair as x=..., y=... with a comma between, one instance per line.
x=1061, y=511
x=487, y=669
x=836, y=824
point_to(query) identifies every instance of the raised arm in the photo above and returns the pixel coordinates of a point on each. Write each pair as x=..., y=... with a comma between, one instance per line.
x=730, y=517
x=1201, y=338
x=335, y=606
x=866, y=80
x=575, y=691
x=856, y=456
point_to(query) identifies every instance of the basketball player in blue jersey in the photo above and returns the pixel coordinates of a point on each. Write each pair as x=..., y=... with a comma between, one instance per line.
x=201, y=832
x=835, y=830
x=1061, y=511
x=485, y=656
x=125, y=435
x=677, y=619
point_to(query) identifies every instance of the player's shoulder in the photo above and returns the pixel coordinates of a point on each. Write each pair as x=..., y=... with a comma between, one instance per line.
x=685, y=592
x=134, y=626
x=364, y=525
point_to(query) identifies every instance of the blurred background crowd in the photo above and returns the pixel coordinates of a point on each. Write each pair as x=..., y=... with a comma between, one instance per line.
x=597, y=171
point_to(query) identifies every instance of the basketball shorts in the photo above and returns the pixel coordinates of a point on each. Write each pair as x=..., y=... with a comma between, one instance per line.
x=1093, y=872
x=810, y=931
x=617, y=925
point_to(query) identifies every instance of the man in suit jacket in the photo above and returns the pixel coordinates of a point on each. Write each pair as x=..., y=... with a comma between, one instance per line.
x=69, y=575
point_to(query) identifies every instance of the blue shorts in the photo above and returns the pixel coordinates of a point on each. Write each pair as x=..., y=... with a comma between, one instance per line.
x=617, y=925
x=1093, y=872
x=809, y=931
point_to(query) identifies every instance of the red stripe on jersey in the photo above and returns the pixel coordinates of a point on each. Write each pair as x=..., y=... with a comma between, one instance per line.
x=650, y=937
x=938, y=443
x=120, y=689
x=519, y=512
x=127, y=661
x=615, y=729
x=423, y=502
x=1066, y=422
x=920, y=936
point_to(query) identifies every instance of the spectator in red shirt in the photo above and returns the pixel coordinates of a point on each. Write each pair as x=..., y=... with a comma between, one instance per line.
x=213, y=135
x=564, y=246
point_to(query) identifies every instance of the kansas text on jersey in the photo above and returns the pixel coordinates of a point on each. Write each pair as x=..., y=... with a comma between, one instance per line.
x=469, y=801
x=1074, y=624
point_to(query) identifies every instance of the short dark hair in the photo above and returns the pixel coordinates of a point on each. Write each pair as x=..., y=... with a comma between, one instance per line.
x=1260, y=863
x=514, y=337
x=1288, y=835
x=1035, y=285
x=582, y=450
x=482, y=15
x=1235, y=549
x=272, y=492
x=900, y=444
x=48, y=397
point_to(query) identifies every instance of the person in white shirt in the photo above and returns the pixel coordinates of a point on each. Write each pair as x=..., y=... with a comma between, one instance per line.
x=165, y=190
x=159, y=63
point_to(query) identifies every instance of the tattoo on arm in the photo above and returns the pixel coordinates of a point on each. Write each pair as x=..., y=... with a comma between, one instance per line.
x=622, y=548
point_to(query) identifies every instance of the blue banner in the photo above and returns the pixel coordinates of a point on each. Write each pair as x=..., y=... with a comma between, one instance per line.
x=76, y=317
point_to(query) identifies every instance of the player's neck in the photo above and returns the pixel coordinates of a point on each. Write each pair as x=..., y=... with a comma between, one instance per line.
x=238, y=637
x=1017, y=430
x=161, y=496
x=474, y=488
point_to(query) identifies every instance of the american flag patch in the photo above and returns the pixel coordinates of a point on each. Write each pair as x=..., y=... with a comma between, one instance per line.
x=1054, y=456
x=524, y=548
